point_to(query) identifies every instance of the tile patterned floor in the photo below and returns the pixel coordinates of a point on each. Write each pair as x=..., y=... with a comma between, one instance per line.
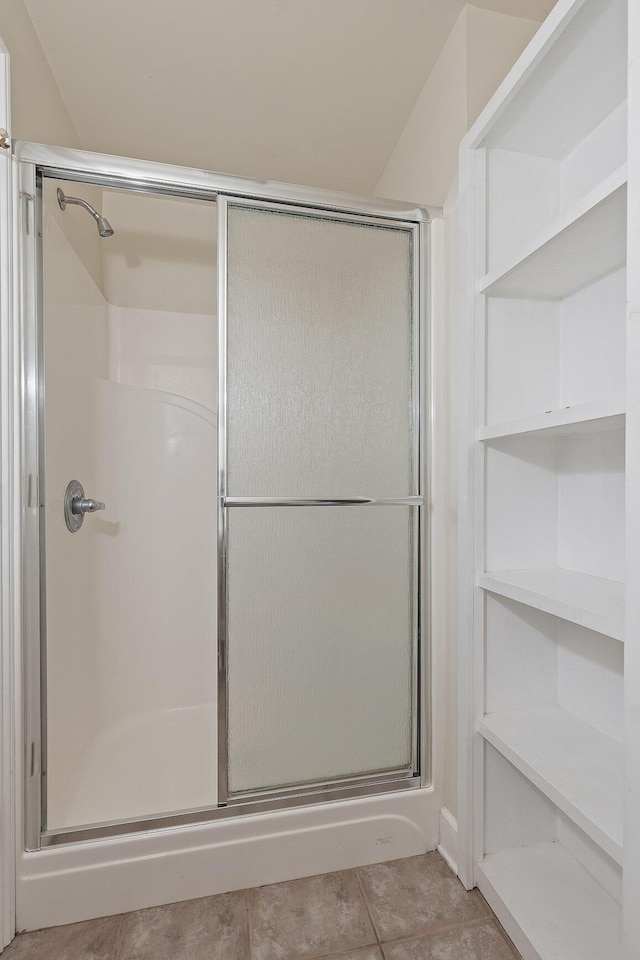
x=413, y=909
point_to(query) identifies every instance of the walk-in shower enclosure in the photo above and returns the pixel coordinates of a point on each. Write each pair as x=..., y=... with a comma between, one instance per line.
x=237, y=371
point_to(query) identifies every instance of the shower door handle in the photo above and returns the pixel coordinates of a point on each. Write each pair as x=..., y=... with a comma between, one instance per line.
x=86, y=505
x=76, y=505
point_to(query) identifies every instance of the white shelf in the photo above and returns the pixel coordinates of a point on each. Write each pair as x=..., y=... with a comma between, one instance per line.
x=576, y=766
x=592, y=602
x=550, y=906
x=570, y=421
x=586, y=243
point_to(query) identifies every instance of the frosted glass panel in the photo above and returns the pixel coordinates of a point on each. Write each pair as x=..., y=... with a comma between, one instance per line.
x=319, y=357
x=319, y=643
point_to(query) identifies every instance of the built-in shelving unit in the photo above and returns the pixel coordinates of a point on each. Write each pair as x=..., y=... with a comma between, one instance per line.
x=544, y=183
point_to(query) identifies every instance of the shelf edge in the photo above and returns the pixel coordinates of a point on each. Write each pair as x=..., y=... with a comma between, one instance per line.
x=560, y=420
x=563, y=609
x=598, y=834
x=605, y=189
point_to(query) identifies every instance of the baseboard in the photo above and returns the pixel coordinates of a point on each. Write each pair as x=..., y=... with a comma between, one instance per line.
x=448, y=846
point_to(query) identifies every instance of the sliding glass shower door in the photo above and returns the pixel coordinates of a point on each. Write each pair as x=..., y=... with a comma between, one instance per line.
x=156, y=696
x=319, y=499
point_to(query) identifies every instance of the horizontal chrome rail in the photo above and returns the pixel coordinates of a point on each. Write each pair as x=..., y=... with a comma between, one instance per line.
x=307, y=796
x=66, y=163
x=333, y=502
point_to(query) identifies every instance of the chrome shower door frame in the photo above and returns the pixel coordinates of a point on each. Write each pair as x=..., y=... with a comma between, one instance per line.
x=36, y=161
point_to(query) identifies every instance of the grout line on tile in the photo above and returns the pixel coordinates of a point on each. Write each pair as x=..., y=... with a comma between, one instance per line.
x=366, y=904
x=340, y=952
x=437, y=929
x=247, y=914
x=119, y=938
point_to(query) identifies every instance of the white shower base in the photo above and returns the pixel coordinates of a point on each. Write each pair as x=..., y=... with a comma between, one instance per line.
x=77, y=882
x=139, y=767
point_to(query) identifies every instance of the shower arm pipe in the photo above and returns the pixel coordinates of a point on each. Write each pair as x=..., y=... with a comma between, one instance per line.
x=82, y=203
x=104, y=227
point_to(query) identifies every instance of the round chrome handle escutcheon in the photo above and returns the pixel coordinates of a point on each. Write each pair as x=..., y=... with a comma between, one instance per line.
x=76, y=505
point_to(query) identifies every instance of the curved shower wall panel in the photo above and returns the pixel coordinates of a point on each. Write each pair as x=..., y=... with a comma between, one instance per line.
x=154, y=745
x=165, y=350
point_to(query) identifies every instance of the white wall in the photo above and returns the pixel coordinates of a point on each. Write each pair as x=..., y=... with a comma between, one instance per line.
x=424, y=160
x=163, y=253
x=38, y=111
x=494, y=43
x=478, y=54
x=423, y=168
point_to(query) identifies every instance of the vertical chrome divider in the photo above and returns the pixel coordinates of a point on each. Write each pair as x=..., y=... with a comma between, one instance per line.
x=425, y=465
x=32, y=493
x=223, y=533
x=42, y=493
x=417, y=488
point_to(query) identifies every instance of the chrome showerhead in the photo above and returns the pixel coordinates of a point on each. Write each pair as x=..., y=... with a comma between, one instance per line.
x=104, y=227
